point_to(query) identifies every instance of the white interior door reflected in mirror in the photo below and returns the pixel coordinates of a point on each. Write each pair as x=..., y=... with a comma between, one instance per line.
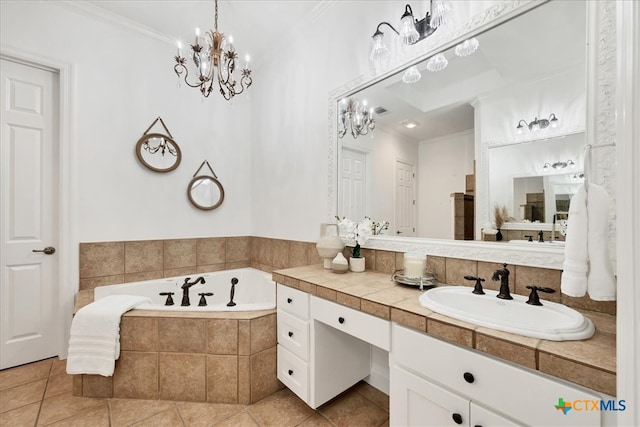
x=205, y=192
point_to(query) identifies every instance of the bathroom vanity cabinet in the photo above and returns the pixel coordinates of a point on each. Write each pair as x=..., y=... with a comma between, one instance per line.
x=323, y=347
x=434, y=382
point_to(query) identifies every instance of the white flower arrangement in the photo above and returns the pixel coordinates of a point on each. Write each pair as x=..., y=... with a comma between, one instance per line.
x=360, y=231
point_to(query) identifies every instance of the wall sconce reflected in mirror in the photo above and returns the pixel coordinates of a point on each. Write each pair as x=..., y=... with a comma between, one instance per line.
x=538, y=124
x=412, y=30
x=558, y=165
x=354, y=117
x=576, y=177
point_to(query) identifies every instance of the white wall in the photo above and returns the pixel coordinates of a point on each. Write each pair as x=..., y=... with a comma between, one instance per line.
x=122, y=81
x=444, y=162
x=290, y=127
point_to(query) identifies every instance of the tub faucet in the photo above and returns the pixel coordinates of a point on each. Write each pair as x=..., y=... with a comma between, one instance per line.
x=185, y=289
x=234, y=282
x=502, y=274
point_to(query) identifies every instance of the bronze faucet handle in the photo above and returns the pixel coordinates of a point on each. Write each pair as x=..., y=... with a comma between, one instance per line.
x=534, y=298
x=477, y=289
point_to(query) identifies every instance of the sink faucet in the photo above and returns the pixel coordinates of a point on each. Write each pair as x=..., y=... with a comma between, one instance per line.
x=185, y=289
x=540, y=236
x=502, y=274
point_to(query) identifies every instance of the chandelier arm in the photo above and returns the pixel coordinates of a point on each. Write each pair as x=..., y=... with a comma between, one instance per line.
x=186, y=74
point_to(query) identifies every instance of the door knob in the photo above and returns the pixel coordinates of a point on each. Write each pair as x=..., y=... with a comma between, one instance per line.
x=49, y=250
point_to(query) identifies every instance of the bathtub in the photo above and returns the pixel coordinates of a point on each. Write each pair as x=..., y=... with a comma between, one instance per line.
x=254, y=291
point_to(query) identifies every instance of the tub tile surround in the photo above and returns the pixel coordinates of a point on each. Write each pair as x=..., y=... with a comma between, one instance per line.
x=590, y=363
x=196, y=357
x=107, y=263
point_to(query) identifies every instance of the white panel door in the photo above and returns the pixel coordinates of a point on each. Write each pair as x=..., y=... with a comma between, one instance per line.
x=28, y=213
x=405, y=201
x=353, y=168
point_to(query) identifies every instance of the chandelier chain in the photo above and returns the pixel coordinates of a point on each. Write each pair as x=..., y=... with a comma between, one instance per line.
x=216, y=20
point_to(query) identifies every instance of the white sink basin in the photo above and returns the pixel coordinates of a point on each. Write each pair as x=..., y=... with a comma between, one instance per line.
x=557, y=243
x=551, y=321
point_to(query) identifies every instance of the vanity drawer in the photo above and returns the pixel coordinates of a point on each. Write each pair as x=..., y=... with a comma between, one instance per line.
x=293, y=301
x=487, y=380
x=293, y=334
x=371, y=329
x=293, y=372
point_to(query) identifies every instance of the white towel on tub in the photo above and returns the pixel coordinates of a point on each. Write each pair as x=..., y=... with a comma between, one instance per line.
x=94, y=344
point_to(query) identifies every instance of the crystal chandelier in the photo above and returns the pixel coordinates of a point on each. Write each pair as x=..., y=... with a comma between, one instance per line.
x=214, y=59
x=354, y=117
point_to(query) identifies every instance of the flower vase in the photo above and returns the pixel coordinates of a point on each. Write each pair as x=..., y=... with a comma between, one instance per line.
x=356, y=264
x=499, y=236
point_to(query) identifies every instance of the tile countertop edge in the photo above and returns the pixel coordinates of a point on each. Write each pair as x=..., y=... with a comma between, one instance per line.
x=582, y=358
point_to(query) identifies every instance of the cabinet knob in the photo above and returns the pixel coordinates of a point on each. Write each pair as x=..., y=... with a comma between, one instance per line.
x=341, y=320
x=468, y=377
x=457, y=418
x=290, y=372
x=290, y=334
x=289, y=300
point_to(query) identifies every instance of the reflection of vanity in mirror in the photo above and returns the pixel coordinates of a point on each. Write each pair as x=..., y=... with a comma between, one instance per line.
x=463, y=141
x=535, y=182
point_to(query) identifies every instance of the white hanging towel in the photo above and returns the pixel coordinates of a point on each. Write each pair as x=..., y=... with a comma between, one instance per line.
x=576, y=256
x=94, y=344
x=601, y=282
x=587, y=267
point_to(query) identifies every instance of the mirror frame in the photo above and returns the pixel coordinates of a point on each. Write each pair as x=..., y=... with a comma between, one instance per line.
x=600, y=129
x=144, y=138
x=216, y=182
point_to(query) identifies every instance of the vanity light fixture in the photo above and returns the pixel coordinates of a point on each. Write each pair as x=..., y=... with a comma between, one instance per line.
x=437, y=62
x=577, y=177
x=559, y=165
x=214, y=59
x=354, y=117
x=538, y=124
x=412, y=30
x=467, y=47
x=411, y=75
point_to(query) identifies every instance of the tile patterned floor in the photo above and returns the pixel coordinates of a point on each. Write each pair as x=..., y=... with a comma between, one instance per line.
x=40, y=394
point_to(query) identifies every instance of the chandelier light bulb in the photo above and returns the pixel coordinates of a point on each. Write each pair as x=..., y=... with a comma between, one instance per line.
x=179, y=48
x=197, y=31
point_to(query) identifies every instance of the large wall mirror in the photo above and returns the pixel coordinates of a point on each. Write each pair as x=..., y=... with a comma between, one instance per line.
x=464, y=139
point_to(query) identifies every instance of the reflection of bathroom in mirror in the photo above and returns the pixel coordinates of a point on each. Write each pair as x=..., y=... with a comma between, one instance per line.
x=536, y=179
x=416, y=177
